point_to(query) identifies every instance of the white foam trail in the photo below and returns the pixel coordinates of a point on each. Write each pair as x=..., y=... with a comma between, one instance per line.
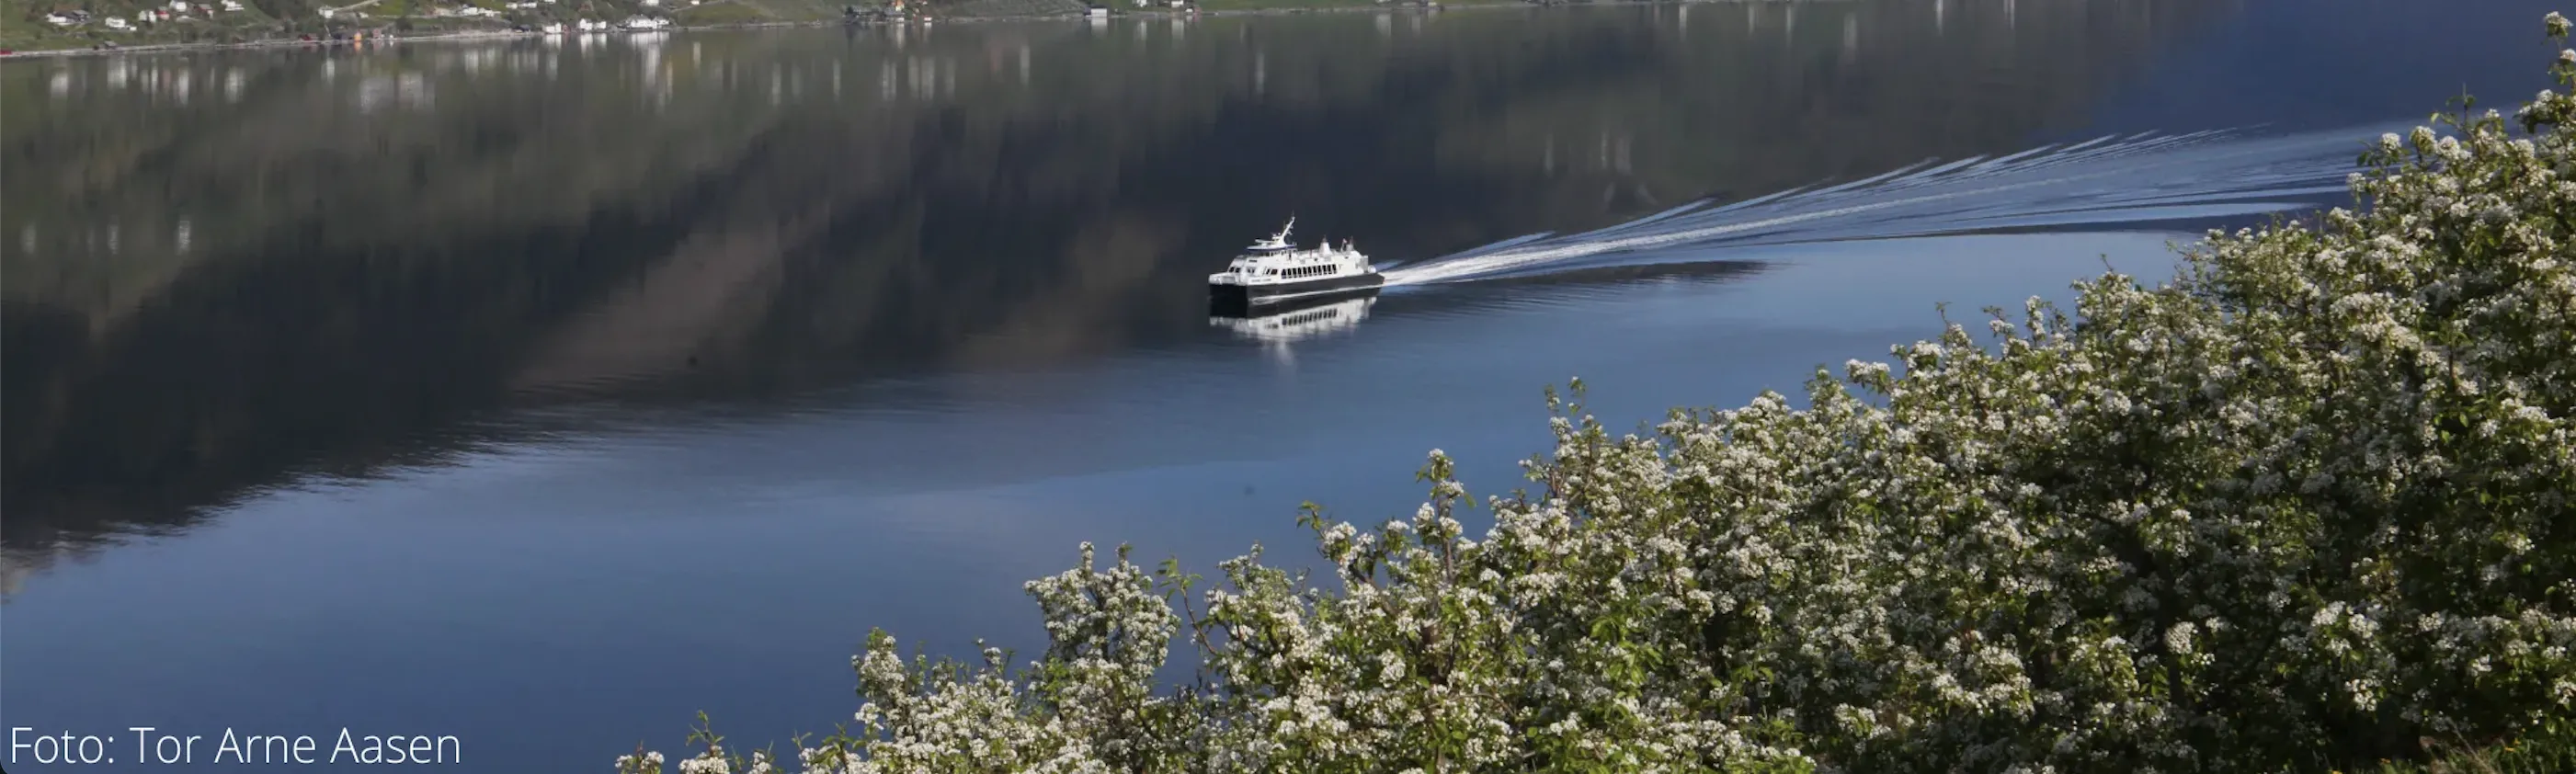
x=2104, y=181
x=1649, y=220
x=1508, y=243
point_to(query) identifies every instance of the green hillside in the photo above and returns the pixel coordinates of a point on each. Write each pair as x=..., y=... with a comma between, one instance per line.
x=23, y=25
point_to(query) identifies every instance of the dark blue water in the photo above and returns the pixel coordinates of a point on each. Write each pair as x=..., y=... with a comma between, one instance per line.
x=544, y=396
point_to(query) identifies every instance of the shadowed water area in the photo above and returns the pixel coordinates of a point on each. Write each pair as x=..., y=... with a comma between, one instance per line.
x=543, y=393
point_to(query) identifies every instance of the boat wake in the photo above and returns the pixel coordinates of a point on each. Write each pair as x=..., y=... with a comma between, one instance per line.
x=2107, y=181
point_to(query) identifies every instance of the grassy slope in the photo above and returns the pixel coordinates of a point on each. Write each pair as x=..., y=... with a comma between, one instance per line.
x=22, y=28
x=22, y=25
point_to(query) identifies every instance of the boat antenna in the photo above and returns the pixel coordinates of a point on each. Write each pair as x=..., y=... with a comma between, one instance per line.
x=1283, y=230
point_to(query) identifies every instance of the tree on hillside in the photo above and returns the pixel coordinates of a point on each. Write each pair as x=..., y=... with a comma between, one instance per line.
x=290, y=11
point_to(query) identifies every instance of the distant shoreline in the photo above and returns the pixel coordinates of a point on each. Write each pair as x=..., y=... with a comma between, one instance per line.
x=1165, y=13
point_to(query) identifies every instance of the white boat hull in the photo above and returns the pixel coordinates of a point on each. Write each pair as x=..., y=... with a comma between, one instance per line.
x=1222, y=295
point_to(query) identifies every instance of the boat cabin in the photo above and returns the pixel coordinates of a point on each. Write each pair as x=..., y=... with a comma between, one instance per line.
x=1275, y=260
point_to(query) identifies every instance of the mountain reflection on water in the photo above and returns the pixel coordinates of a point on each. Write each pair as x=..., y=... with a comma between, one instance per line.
x=226, y=270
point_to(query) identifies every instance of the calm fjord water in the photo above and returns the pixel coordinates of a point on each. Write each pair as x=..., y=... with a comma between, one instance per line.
x=544, y=393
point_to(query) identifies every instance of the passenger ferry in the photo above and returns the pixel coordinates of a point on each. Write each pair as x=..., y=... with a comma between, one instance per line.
x=1272, y=269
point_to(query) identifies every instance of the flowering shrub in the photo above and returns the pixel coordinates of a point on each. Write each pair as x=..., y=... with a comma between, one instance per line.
x=2307, y=506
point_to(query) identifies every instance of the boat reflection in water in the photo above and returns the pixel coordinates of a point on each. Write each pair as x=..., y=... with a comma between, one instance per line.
x=1296, y=319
